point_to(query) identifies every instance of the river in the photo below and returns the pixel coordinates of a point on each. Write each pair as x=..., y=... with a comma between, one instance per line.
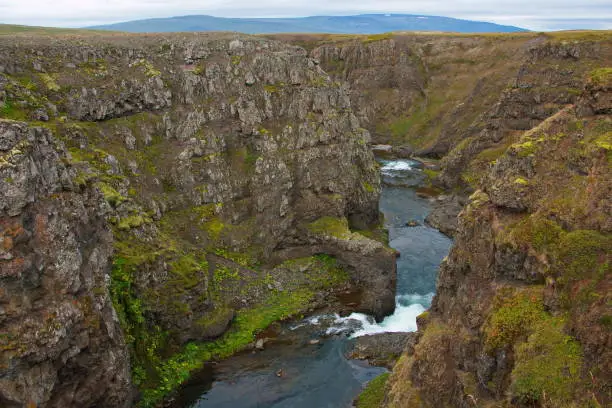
x=306, y=367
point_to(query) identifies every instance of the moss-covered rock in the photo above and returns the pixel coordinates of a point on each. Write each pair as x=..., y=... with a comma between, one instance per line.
x=548, y=366
x=374, y=393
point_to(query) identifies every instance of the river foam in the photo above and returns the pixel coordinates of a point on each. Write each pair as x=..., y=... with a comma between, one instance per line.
x=408, y=307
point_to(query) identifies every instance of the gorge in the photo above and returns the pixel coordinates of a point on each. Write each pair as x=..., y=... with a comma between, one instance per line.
x=311, y=354
x=166, y=198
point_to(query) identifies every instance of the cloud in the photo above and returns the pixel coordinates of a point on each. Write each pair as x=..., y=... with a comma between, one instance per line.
x=534, y=14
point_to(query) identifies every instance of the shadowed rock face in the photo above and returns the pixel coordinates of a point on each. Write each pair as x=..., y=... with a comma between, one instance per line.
x=61, y=344
x=218, y=157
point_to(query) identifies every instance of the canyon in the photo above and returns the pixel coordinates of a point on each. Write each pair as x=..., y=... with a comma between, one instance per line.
x=166, y=197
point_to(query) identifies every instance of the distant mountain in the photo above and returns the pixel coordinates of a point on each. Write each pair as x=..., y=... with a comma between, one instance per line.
x=361, y=24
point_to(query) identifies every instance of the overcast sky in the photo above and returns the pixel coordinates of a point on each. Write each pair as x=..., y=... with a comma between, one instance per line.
x=532, y=14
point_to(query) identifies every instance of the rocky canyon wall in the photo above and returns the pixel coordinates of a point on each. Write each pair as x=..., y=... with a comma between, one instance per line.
x=209, y=184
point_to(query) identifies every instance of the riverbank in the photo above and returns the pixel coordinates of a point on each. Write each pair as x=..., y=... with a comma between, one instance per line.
x=304, y=363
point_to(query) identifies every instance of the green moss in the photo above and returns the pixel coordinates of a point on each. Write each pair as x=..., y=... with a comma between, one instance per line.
x=547, y=367
x=601, y=76
x=525, y=149
x=514, y=313
x=148, y=68
x=463, y=144
x=423, y=315
x=606, y=321
x=223, y=274
x=320, y=271
x=236, y=59
x=368, y=187
x=217, y=316
x=250, y=159
x=604, y=141
x=537, y=232
x=49, y=82
x=112, y=196
x=374, y=393
x=431, y=174
x=188, y=268
x=584, y=254
x=330, y=226
x=576, y=125
x=470, y=178
x=569, y=257
x=435, y=333
x=418, y=124
x=245, y=258
x=377, y=233
x=8, y=110
x=274, y=88
x=134, y=252
x=132, y=221
x=214, y=228
x=522, y=181
x=325, y=272
x=144, y=341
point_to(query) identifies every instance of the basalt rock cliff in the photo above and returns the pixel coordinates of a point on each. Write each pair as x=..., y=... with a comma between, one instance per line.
x=169, y=196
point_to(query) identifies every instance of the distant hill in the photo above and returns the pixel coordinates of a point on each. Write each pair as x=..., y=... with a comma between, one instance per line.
x=361, y=24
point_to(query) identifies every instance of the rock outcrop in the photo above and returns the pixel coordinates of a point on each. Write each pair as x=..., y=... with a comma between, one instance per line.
x=60, y=342
x=444, y=214
x=234, y=177
x=381, y=349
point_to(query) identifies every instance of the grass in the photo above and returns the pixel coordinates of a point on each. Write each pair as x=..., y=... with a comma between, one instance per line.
x=374, y=393
x=8, y=110
x=377, y=37
x=174, y=371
